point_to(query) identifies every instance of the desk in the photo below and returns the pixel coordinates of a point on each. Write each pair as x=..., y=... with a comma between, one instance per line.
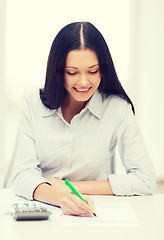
x=148, y=209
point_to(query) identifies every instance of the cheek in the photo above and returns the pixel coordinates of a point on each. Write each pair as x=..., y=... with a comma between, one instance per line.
x=67, y=82
x=97, y=80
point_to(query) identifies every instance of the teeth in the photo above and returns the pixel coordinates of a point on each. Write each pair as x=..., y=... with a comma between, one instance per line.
x=82, y=90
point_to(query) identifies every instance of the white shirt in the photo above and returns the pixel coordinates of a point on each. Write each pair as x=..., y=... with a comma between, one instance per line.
x=48, y=146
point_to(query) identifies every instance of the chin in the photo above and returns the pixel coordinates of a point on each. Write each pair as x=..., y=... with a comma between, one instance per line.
x=83, y=98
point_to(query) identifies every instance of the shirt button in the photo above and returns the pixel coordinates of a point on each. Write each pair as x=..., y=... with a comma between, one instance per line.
x=73, y=125
x=66, y=164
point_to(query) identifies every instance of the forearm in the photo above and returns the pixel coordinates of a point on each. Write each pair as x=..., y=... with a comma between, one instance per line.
x=48, y=194
x=54, y=194
x=97, y=187
x=69, y=203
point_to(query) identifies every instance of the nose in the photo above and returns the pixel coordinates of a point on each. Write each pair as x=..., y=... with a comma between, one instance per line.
x=83, y=81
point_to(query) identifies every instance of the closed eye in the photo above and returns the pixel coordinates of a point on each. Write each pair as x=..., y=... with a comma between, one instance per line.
x=94, y=71
x=72, y=73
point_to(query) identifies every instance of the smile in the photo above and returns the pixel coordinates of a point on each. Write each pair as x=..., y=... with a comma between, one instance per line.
x=82, y=90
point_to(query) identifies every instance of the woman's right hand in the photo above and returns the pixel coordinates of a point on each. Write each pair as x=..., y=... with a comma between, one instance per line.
x=70, y=204
x=73, y=205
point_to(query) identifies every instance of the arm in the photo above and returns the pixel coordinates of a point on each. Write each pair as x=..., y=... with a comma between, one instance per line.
x=26, y=174
x=97, y=187
x=58, y=194
x=140, y=174
x=61, y=196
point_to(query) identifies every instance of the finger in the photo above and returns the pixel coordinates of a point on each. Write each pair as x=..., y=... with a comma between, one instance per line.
x=82, y=206
x=70, y=207
x=73, y=205
x=90, y=202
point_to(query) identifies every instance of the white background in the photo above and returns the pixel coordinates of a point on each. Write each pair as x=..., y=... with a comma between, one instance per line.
x=134, y=32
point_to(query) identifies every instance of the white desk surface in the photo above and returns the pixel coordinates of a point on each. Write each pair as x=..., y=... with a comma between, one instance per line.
x=149, y=211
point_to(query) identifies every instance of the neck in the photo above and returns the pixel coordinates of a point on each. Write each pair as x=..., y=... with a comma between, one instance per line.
x=71, y=107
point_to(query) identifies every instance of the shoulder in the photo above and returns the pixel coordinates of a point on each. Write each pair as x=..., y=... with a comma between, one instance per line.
x=116, y=104
x=31, y=101
x=116, y=109
x=115, y=100
x=111, y=106
x=31, y=95
x=119, y=112
x=31, y=98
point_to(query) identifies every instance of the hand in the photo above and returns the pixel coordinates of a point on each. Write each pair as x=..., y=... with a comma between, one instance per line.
x=58, y=183
x=70, y=203
x=73, y=205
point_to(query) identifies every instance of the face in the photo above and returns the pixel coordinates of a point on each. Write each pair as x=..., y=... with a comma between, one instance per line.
x=82, y=74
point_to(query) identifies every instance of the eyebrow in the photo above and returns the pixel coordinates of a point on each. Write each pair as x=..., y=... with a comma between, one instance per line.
x=88, y=67
x=94, y=65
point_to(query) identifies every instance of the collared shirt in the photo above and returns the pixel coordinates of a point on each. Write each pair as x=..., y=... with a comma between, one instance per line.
x=48, y=146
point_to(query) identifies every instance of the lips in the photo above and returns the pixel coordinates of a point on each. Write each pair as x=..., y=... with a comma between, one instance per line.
x=82, y=90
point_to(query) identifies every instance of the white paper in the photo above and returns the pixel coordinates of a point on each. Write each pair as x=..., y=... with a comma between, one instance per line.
x=105, y=212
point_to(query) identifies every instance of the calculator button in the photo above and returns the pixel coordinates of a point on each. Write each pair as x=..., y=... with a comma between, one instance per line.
x=24, y=209
x=36, y=209
x=30, y=209
x=43, y=209
x=16, y=209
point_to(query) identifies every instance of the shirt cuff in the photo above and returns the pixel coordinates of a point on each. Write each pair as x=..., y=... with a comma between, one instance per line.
x=120, y=185
x=132, y=184
x=25, y=186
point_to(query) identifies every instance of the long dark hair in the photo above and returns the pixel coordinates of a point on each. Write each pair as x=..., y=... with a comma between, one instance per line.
x=69, y=38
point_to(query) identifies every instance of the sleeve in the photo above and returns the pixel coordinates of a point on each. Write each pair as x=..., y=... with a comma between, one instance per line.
x=140, y=174
x=26, y=174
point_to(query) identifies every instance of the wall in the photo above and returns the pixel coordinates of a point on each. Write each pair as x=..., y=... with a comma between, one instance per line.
x=2, y=83
x=146, y=79
x=134, y=30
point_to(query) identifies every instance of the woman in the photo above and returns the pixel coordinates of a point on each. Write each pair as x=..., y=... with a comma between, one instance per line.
x=70, y=129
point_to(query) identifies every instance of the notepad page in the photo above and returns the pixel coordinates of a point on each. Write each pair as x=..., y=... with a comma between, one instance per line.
x=115, y=212
x=107, y=212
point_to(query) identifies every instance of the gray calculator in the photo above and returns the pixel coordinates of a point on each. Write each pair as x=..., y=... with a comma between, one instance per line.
x=30, y=213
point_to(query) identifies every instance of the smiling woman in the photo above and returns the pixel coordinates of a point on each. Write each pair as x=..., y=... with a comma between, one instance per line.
x=71, y=127
x=82, y=78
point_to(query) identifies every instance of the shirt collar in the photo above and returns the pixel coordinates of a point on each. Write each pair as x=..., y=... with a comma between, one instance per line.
x=94, y=106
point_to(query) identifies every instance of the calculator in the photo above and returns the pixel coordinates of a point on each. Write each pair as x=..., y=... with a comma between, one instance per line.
x=30, y=213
